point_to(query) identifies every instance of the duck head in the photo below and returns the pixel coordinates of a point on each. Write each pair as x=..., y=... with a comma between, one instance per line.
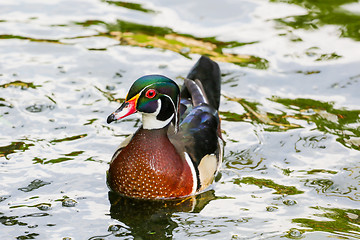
x=156, y=97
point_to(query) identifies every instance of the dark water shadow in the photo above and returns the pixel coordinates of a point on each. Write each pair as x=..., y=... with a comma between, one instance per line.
x=152, y=219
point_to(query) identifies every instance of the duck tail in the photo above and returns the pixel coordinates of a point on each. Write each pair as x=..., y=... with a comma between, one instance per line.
x=205, y=85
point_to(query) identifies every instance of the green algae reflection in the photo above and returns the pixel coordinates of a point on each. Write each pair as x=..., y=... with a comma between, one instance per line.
x=129, y=5
x=321, y=13
x=270, y=121
x=66, y=139
x=147, y=36
x=344, y=221
x=67, y=157
x=341, y=122
x=13, y=148
x=21, y=84
x=164, y=38
x=279, y=189
x=9, y=36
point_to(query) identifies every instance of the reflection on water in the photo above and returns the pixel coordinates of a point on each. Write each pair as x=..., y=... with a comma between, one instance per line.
x=130, y=5
x=37, y=183
x=152, y=219
x=13, y=147
x=290, y=117
x=340, y=122
x=140, y=35
x=320, y=13
x=18, y=83
x=337, y=220
x=267, y=183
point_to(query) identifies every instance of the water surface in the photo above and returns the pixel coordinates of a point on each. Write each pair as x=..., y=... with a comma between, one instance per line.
x=290, y=116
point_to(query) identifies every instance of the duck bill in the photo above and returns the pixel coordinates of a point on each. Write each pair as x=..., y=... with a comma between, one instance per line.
x=126, y=109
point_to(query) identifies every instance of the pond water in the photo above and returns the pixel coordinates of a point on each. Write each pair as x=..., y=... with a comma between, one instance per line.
x=289, y=108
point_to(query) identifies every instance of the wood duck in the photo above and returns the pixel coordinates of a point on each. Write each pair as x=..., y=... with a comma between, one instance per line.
x=178, y=149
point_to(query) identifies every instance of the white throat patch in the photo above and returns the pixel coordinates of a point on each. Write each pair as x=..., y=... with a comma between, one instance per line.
x=150, y=122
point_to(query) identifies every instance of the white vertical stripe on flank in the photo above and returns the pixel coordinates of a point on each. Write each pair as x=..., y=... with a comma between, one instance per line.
x=193, y=172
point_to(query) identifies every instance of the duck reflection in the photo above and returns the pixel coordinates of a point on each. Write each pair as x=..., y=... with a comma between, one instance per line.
x=152, y=219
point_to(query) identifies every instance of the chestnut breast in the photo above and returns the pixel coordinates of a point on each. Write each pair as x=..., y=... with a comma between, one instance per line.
x=150, y=167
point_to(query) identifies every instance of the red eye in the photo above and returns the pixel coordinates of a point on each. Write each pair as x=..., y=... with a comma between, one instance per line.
x=150, y=93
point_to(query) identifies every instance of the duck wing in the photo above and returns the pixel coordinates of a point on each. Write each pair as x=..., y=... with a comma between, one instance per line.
x=199, y=130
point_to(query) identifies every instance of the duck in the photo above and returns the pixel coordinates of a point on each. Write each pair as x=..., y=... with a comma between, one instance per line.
x=178, y=149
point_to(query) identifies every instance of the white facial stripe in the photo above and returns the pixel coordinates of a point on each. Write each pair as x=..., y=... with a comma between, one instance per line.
x=175, y=111
x=150, y=122
x=149, y=119
x=145, y=88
